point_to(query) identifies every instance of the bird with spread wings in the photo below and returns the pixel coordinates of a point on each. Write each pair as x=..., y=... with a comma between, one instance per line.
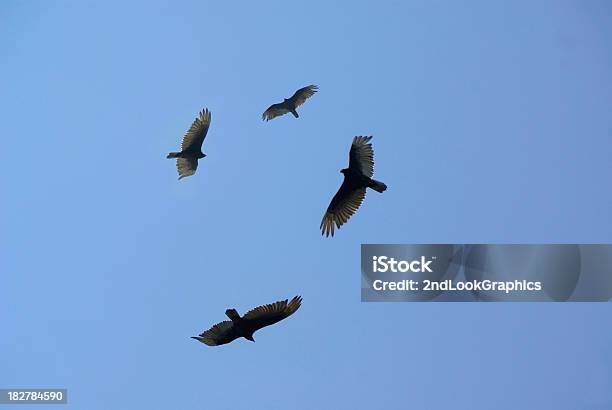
x=357, y=178
x=191, y=147
x=244, y=326
x=290, y=104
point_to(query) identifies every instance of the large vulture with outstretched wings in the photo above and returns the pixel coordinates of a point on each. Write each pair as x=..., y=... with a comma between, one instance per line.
x=290, y=104
x=191, y=147
x=357, y=178
x=244, y=326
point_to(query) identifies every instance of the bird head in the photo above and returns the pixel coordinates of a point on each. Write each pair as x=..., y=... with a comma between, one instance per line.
x=344, y=171
x=249, y=338
x=202, y=155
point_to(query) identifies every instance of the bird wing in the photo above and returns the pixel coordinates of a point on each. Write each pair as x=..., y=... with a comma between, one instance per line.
x=303, y=94
x=267, y=315
x=194, y=137
x=275, y=110
x=186, y=166
x=220, y=334
x=361, y=156
x=342, y=206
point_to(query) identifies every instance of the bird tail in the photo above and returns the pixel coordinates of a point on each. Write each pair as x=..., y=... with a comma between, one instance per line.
x=295, y=114
x=378, y=186
x=173, y=155
x=232, y=314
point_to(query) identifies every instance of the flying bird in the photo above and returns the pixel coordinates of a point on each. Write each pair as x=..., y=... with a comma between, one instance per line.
x=191, y=147
x=262, y=316
x=357, y=178
x=290, y=104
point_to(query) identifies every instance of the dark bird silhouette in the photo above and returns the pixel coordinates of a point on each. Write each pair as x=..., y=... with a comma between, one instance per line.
x=357, y=178
x=191, y=147
x=252, y=321
x=290, y=104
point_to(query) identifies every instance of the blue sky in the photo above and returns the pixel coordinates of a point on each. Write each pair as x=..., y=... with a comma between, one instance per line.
x=491, y=123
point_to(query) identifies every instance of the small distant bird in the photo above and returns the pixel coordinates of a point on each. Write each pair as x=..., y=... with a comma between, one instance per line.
x=290, y=104
x=357, y=177
x=191, y=147
x=262, y=316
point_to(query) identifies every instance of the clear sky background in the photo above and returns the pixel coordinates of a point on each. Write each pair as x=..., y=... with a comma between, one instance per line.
x=492, y=122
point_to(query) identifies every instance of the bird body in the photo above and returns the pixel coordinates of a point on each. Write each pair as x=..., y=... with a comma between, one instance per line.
x=290, y=104
x=186, y=154
x=354, y=179
x=191, y=147
x=357, y=178
x=244, y=326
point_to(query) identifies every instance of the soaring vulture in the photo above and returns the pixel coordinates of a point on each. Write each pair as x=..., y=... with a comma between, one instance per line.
x=252, y=321
x=290, y=104
x=191, y=147
x=357, y=177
